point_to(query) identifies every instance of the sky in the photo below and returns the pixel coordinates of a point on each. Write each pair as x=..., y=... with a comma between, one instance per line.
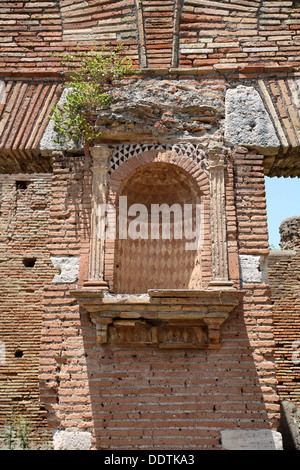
x=283, y=201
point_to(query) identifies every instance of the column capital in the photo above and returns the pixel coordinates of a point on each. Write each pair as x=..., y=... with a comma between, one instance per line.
x=216, y=157
x=101, y=150
x=216, y=166
x=100, y=157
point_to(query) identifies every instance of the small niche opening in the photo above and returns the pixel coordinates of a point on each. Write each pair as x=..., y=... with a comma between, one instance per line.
x=18, y=353
x=22, y=184
x=29, y=262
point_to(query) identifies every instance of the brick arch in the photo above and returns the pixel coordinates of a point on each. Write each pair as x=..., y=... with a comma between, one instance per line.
x=119, y=176
x=117, y=183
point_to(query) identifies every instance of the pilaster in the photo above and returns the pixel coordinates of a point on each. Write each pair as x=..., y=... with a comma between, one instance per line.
x=100, y=167
x=216, y=169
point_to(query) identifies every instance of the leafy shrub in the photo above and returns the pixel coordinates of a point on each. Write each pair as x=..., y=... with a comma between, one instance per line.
x=92, y=75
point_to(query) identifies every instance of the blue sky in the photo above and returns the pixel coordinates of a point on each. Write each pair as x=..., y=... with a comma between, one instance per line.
x=283, y=200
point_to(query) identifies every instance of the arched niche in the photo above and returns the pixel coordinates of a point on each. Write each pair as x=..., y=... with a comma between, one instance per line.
x=152, y=179
x=160, y=250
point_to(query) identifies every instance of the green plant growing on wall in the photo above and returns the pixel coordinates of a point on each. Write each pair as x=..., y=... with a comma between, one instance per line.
x=91, y=81
x=17, y=431
x=9, y=433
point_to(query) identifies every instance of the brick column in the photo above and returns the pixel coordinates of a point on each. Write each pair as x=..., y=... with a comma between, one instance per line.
x=100, y=155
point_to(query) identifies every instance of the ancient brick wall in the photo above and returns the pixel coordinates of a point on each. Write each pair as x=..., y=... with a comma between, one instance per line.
x=24, y=266
x=284, y=271
x=61, y=323
x=148, y=398
x=228, y=74
x=251, y=35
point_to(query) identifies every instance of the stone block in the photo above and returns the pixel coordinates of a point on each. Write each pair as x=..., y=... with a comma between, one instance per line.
x=247, y=123
x=72, y=440
x=251, y=439
x=289, y=426
x=52, y=141
x=68, y=269
x=253, y=269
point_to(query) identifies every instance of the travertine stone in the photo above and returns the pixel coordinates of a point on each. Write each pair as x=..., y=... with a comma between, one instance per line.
x=247, y=122
x=289, y=426
x=52, y=141
x=68, y=267
x=251, y=439
x=72, y=440
x=253, y=268
x=2, y=353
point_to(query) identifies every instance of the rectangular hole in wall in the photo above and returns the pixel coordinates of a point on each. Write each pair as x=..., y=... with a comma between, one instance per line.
x=21, y=184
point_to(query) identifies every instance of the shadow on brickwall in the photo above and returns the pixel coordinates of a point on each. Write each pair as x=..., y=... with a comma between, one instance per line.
x=146, y=398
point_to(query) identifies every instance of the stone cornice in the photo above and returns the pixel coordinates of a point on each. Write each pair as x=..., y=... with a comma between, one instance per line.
x=160, y=318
